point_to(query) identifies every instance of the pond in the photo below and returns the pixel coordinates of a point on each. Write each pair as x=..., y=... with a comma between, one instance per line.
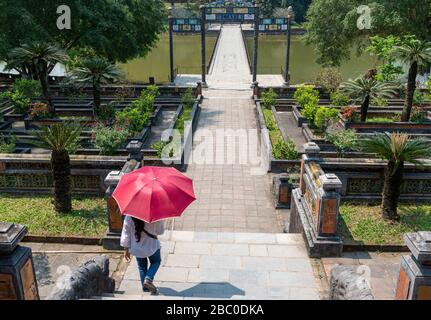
x=272, y=51
x=272, y=58
x=187, y=58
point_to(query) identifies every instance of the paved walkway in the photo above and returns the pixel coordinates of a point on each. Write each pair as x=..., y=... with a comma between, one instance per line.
x=229, y=266
x=230, y=197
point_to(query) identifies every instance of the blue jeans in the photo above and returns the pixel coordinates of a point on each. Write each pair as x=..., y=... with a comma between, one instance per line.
x=146, y=272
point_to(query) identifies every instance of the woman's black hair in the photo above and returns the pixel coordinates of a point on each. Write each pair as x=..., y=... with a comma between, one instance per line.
x=139, y=228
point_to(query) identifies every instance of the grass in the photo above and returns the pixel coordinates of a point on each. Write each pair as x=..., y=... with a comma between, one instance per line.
x=383, y=119
x=88, y=217
x=274, y=132
x=364, y=224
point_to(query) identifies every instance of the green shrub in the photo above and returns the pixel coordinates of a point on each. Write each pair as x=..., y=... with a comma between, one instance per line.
x=7, y=145
x=418, y=115
x=339, y=99
x=188, y=98
x=418, y=98
x=343, y=140
x=309, y=111
x=21, y=94
x=270, y=120
x=283, y=150
x=323, y=116
x=108, y=139
x=132, y=118
x=160, y=146
x=269, y=98
x=306, y=95
x=329, y=79
x=380, y=102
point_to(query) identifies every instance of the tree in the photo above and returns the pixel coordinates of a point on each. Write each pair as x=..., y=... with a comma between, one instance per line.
x=34, y=60
x=332, y=25
x=397, y=149
x=95, y=71
x=118, y=30
x=416, y=55
x=61, y=139
x=300, y=7
x=364, y=89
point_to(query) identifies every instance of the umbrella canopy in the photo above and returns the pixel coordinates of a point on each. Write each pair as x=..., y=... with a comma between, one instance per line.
x=154, y=193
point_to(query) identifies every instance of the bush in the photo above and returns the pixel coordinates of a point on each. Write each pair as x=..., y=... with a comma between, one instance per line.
x=349, y=114
x=323, y=116
x=108, y=140
x=7, y=145
x=21, y=94
x=339, y=99
x=188, y=98
x=132, y=118
x=309, y=111
x=343, y=140
x=418, y=98
x=270, y=120
x=39, y=110
x=283, y=150
x=106, y=112
x=380, y=102
x=329, y=79
x=305, y=95
x=160, y=146
x=269, y=98
x=418, y=115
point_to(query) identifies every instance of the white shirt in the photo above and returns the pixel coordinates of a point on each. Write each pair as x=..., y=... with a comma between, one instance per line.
x=147, y=246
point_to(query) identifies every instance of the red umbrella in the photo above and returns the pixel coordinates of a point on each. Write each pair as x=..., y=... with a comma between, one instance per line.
x=154, y=193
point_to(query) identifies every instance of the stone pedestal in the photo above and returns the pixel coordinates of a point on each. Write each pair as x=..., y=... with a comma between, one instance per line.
x=283, y=191
x=111, y=240
x=414, y=281
x=17, y=275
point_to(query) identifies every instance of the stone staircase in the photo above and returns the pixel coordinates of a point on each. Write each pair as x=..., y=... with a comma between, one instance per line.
x=217, y=265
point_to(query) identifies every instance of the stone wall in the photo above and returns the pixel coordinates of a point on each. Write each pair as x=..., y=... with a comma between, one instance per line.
x=32, y=173
x=90, y=279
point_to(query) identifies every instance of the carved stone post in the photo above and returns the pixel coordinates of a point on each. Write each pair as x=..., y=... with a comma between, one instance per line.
x=283, y=191
x=414, y=281
x=17, y=275
x=111, y=240
x=311, y=153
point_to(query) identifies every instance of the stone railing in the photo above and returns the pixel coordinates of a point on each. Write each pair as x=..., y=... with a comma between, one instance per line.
x=315, y=207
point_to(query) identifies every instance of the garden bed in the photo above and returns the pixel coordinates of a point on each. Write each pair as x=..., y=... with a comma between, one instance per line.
x=87, y=219
x=363, y=224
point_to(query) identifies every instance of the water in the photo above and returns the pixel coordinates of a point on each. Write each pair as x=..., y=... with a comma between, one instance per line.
x=272, y=52
x=303, y=68
x=187, y=58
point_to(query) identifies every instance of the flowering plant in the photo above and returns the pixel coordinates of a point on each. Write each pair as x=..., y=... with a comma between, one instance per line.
x=39, y=110
x=349, y=114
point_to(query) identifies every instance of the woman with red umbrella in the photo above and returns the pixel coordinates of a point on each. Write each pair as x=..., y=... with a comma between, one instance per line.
x=147, y=197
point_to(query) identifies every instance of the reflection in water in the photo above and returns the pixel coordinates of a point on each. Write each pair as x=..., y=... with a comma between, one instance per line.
x=187, y=58
x=272, y=52
x=272, y=58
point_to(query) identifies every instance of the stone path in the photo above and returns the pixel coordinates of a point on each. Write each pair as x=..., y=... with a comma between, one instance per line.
x=230, y=197
x=162, y=124
x=230, y=266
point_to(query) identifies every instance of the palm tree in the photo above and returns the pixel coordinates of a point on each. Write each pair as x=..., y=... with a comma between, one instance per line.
x=396, y=148
x=416, y=55
x=61, y=139
x=95, y=71
x=365, y=89
x=36, y=60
